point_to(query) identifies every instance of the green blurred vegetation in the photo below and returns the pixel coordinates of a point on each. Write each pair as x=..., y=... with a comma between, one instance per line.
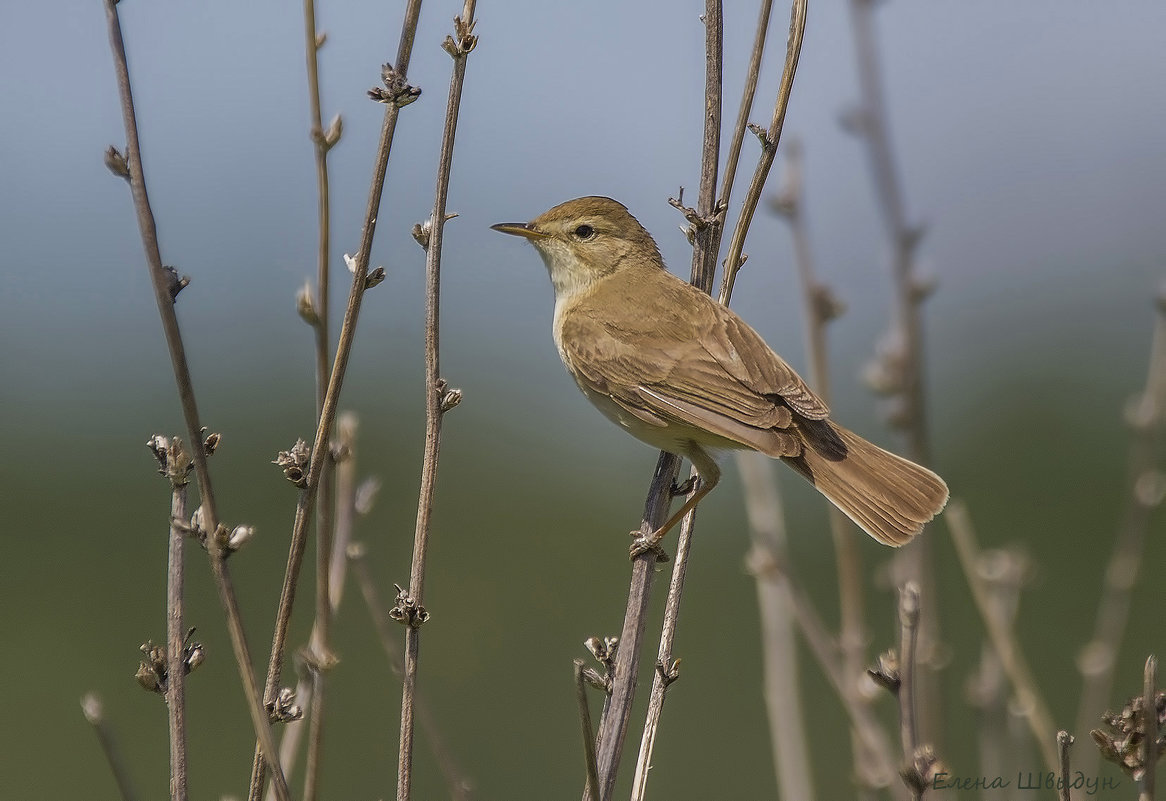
x=529, y=558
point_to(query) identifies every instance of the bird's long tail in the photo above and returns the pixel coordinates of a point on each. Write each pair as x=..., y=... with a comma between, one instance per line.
x=887, y=496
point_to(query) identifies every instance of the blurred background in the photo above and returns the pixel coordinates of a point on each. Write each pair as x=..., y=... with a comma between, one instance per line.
x=1029, y=138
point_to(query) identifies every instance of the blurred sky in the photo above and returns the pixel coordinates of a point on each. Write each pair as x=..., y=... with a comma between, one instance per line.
x=1030, y=139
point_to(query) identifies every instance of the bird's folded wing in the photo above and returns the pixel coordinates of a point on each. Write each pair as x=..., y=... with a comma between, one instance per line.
x=742, y=353
x=720, y=376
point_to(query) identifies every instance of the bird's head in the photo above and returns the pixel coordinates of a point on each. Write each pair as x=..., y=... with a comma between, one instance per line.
x=586, y=239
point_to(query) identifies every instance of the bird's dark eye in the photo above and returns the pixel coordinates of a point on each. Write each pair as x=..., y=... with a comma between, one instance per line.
x=584, y=232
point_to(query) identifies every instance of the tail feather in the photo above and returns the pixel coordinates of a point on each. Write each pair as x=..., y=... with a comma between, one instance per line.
x=887, y=496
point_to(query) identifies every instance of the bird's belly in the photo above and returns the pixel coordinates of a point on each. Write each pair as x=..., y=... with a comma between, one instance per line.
x=674, y=437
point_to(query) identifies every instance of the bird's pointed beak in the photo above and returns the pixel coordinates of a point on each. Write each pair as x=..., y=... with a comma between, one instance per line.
x=519, y=229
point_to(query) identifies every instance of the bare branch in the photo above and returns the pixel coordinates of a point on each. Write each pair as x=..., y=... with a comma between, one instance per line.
x=770, y=138
x=439, y=398
x=763, y=507
x=1002, y=746
x=1146, y=416
x=394, y=78
x=905, y=691
x=820, y=307
x=1064, y=741
x=667, y=669
x=616, y=715
x=751, y=75
x=346, y=491
x=94, y=712
x=826, y=652
x=176, y=634
x=320, y=657
x=905, y=345
x=592, y=788
x=1150, y=745
x=613, y=723
x=705, y=238
x=458, y=785
x=1003, y=639
x=164, y=295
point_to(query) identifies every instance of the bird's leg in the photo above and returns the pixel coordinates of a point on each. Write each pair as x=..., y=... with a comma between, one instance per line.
x=709, y=474
x=685, y=488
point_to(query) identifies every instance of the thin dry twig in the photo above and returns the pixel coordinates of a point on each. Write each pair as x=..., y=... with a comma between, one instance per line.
x=1064, y=741
x=456, y=782
x=589, y=792
x=94, y=712
x=397, y=95
x=1002, y=745
x=617, y=710
x=760, y=36
x=439, y=398
x=666, y=671
x=320, y=656
x=165, y=289
x=1003, y=639
x=827, y=653
x=1146, y=415
x=902, y=360
x=320, y=450
x=346, y=512
x=1149, y=729
x=769, y=138
x=905, y=692
x=704, y=221
x=791, y=761
x=709, y=219
x=667, y=668
x=178, y=465
x=820, y=308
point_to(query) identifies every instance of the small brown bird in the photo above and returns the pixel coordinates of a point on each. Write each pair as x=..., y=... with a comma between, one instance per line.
x=687, y=375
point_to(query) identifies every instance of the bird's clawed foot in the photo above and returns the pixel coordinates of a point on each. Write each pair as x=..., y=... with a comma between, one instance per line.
x=688, y=486
x=642, y=544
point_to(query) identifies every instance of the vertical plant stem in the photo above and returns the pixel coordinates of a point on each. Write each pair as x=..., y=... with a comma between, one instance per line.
x=94, y=712
x=1040, y=720
x=346, y=490
x=751, y=76
x=826, y=652
x=319, y=645
x=769, y=138
x=665, y=672
x=791, y=761
x=820, y=307
x=165, y=303
x=617, y=711
x=592, y=789
x=908, y=639
x=707, y=240
x=666, y=668
x=915, y=560
x=176, y=643
x=1003, y=574
x=705, y=245
x=1145, y=414
x=308, y=496
x=1149, y=730
x=437, y=401
x=456, y=782
x=307, y=499
x=1064, y=740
